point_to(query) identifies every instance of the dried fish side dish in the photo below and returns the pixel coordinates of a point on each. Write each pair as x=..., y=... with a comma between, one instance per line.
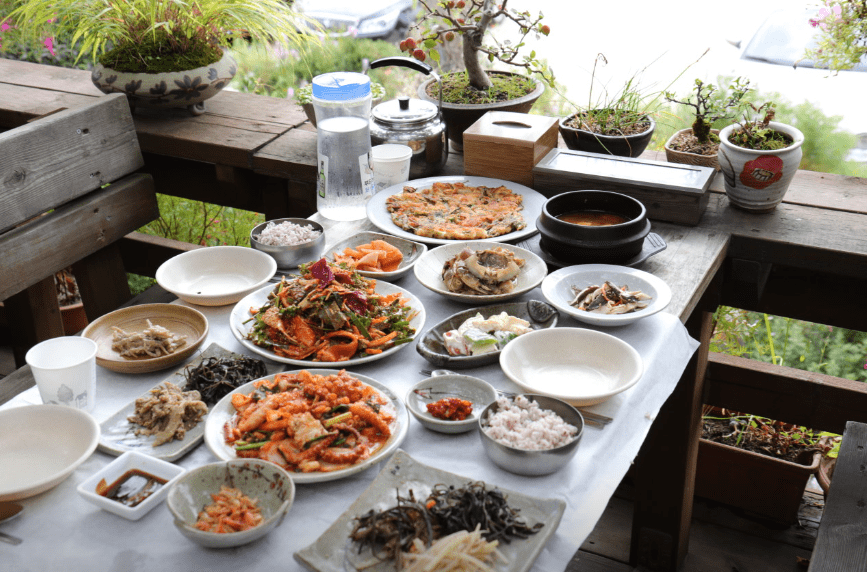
x=608, y=299
x=457, y=211
x=153, y=341
x=330, y=314
x=305, y=422
x=483, y=272
x=168, y=413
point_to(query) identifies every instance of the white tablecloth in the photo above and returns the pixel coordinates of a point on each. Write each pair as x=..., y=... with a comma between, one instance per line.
x=63, y=532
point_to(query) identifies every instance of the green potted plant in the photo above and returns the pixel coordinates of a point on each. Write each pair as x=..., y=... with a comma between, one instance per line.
x=469, y=94
x=698, y=145
x=758, y=159
x=304, y=97
x=162, y=53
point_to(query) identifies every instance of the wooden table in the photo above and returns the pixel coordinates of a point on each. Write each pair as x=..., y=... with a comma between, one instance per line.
x=256, y=153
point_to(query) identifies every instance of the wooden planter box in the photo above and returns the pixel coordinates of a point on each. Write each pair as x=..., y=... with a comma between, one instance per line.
x=768, y=487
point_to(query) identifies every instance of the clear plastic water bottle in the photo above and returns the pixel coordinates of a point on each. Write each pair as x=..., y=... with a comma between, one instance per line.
x=345, y=181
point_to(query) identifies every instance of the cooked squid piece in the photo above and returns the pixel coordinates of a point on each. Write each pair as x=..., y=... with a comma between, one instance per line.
x=609, y=299
x=483, y=272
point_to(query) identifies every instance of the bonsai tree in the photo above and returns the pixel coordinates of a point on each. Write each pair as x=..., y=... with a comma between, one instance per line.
x=159, y=35
x=757, y=133
x=709, y=109
x=842, y=40
x=445, y=20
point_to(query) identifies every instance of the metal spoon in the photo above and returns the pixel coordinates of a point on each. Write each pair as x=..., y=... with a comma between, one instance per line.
x=9, y=510
x=588, y=415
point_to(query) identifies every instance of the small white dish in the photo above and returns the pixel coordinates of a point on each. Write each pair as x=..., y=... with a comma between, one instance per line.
x=581, y=367
x=271, y=487
x=477, y=391
x=131, y=460
x=429, y=270
x=40, y=446
x=557, y=289
x=216, y=275
x=410, y=250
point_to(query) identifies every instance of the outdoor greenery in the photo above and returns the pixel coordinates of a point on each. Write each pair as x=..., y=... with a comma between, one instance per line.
x=842, y=41
x=707, y=109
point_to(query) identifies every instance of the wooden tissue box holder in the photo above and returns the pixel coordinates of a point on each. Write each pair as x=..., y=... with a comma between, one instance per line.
x=507, y=145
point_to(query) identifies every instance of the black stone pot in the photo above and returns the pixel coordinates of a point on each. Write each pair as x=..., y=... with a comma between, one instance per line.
x=619, y=145
x=593, y=244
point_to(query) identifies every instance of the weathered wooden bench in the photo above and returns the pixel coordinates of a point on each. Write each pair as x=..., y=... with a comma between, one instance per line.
x=842, y=541
x=68, y=193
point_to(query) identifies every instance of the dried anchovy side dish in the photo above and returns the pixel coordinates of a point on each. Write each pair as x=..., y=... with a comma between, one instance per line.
x=457, y=211
x=330, y=314
x=310, y=423
x=216, y=377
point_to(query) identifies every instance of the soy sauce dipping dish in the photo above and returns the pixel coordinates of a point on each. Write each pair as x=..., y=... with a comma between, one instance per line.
x=532, y=462
x=216, y=275
x=477, y=391
x=577, y=365
x=120, y=467
x=432, y=347
x=266, y=482
x=410, y=249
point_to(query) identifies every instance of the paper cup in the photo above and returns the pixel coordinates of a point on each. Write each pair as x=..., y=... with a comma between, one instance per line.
x=390, y=164
x=65, y=371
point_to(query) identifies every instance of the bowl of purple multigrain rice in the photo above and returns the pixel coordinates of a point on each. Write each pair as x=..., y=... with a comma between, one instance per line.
x=290, y=241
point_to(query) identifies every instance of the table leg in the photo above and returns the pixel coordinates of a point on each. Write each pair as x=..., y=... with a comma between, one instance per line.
x=665, y=468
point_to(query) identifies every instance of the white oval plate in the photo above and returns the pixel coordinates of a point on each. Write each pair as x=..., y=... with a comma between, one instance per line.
x=223, y=411
x=241, y=313
x=557, y=289
x=429, y=270
x=381, y=218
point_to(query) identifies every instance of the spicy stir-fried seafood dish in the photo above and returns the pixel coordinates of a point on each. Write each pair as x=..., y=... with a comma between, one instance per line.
x=330, y=314
x=608, y=299
x=457, y=211
x=310, y=423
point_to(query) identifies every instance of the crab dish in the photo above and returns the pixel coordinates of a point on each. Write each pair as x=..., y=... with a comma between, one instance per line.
x=608, y=299
x=483, y=272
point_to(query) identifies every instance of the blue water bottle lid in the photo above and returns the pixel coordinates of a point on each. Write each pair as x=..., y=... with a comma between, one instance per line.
x=341, y=86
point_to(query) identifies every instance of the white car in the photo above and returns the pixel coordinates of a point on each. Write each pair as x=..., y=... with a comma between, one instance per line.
x=361, y=18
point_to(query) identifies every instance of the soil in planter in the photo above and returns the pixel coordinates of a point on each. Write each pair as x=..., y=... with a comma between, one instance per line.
x=457, y=89
x=771, y=438
x=607, y=124
x=688, y=143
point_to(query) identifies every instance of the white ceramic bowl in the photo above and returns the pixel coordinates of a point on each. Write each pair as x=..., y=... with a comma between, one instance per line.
x=269, y=484
x=429, y=269
x=410, y=250
x=216, y=275
x=131, y=460
x=581, y=367
x=477, y=391
x=40, y=445
x=557, y=289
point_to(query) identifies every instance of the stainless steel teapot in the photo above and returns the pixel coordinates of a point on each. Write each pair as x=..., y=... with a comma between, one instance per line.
x=413, y=122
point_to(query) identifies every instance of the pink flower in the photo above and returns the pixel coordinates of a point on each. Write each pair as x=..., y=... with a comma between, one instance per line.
x=49, y=43
x=5, y=26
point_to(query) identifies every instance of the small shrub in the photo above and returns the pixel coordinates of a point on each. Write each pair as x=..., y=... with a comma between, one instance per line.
x=202, y=223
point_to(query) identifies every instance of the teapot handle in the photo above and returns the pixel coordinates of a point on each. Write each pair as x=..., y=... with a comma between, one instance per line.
x=413, y=64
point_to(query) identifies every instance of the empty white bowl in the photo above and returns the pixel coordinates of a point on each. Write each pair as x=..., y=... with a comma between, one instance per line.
x=269, y=484
x=581, y=367
x=40, y=445
x=129, y=461
x=216, y=275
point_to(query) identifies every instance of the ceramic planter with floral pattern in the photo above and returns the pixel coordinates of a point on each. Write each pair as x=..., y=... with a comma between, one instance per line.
x=756, y=181
x=188, y=88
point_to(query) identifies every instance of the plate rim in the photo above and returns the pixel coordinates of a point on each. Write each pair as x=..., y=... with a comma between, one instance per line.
x=243, y=306
x=385, y=224
x=402, y=411
x=151, y=364
x=482, y=298
x=660, y=303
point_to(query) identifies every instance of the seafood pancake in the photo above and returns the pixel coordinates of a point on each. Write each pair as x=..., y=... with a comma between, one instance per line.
x=457, y=211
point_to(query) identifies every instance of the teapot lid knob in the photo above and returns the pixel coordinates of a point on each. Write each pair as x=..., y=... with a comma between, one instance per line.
x=403, y=102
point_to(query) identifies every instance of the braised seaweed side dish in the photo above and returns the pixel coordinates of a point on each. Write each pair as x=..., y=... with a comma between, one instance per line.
x=216, y=377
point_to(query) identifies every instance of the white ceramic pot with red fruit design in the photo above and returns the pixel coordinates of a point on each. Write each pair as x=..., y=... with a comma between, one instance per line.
x=757, y=181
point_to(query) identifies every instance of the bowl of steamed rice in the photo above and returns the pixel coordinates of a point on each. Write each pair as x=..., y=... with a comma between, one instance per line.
x=530, y=434
x=290, y=241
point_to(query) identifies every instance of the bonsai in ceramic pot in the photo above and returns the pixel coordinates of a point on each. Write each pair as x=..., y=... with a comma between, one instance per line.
x=758, y=159
x=698, y=145
x=162, y=53
x=469, y=94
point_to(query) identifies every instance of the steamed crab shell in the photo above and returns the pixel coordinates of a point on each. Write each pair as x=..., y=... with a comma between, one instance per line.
x=490, y=271
x=609, y=299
